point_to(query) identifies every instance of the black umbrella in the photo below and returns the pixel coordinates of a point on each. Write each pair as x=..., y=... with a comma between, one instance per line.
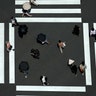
x=41, y=38
x=23, y=66
x=23, y=29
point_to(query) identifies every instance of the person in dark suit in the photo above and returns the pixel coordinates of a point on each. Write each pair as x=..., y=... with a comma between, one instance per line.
x=73, y=68
x=35, y=53
x=76, y=30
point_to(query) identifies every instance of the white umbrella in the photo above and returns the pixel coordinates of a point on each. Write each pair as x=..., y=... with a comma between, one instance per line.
x=71, y=61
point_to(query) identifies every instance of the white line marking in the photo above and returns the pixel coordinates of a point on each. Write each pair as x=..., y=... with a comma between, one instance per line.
x=95, y=52
x=2, y=79
x=87, y=54
x=94, y=25
x=51, y=88
x=43, y=19
x=51, y=2
x=11, y=55
x=44, y=11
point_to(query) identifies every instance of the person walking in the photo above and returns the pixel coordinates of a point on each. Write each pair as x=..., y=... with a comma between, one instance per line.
x=35, y=53
x=61, y=45
x=27, y=8
x=14, y=22
x=44, y=80
x=82, y=68
x=76, y=30
x=8, y=46
x=33, y=2
x=72, y=66
x=74, y=69
x=93, y=32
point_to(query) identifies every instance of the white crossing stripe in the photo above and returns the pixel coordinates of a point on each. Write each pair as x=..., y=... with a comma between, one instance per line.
x=87, y=54
x=44, y=11
x=50, y=19
x=11, y=55
x=51, y=88
x=2, y=33
x=95, y=52
x=51, y=2
x=94, y=25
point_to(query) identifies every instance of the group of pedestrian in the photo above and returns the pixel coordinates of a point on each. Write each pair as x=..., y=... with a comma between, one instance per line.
x=60, y=44
x=74, y=67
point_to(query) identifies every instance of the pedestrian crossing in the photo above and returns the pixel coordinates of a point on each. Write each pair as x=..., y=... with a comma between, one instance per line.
x=88, y=76
x=94, y=25
x=52, y=11
x=87, y=53
x=49, y=20
x=95, y=52
x=46, y=20
x=11, y=55
x=51, y=88
x=2, y=56
x=48, y=11
x=51, y=2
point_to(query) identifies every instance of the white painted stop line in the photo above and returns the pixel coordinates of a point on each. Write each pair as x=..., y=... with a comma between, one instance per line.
x=51, y=88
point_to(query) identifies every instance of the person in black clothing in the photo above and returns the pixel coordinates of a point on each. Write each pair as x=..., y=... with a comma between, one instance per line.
x=35, y=53
x=73, y=68
x=76, y=30
x=22, y=30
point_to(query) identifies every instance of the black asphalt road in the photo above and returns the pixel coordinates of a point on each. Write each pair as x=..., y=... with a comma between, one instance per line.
x=52, y=63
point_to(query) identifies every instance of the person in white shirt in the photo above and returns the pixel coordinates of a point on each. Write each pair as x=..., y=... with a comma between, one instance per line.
x=93, y=32
x=44, y=80
x=14, y=22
